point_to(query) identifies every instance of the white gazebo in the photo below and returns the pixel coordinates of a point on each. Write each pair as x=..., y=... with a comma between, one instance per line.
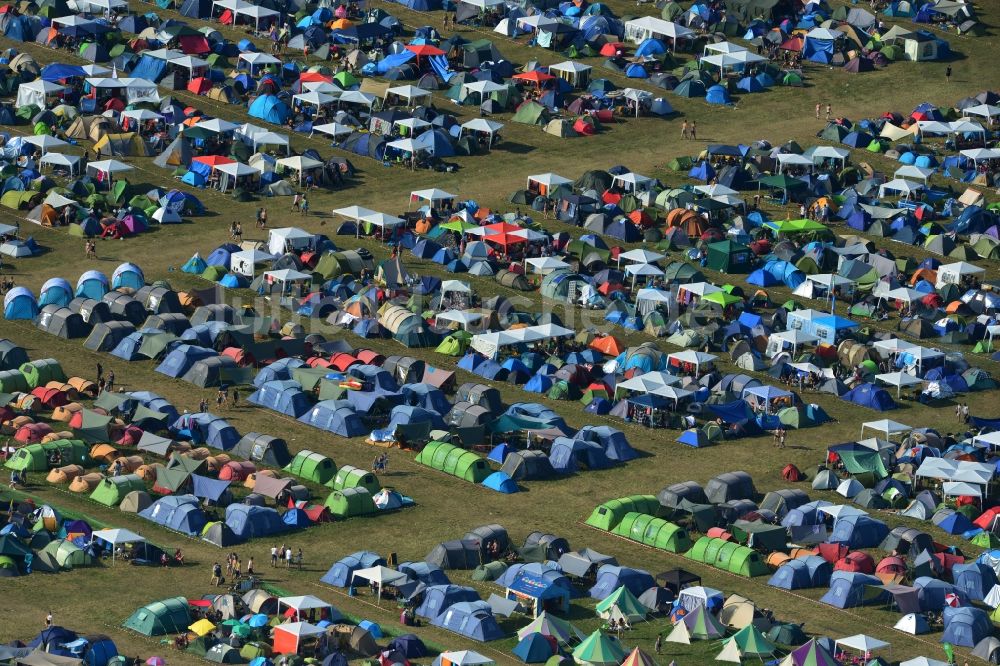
x=233, y=172
x=692, y=357
x=900, y=380
x=267, y=138
x=490, y=128
x=641, y=256
x=379, y=576
x=865, y=646
x=45, y=142
x=110, y=168
x=412, y=95
x=255, y=60
x=117, y=537
x=60, y=160
x=642, y=270
x=886, y=427
x=546, y=265
x=308, y=602
x=901, y=186
x=336, y=130
x=301, y=164
x=217, y=126
x=433, y=197
x=544, y=183
x=575, y=73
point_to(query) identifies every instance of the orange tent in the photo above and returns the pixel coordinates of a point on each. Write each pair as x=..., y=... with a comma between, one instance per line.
x=608, y=344
x=923, y=274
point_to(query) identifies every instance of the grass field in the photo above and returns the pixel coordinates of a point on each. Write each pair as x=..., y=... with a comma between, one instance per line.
x=98, y=599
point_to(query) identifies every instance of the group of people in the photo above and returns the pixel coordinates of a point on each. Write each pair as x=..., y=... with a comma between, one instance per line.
x=381, y=463
x=286, y=555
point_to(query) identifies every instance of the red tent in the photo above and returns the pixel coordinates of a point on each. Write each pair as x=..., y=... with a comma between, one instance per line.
x=199, y=85
x=213, y=160
x=612, y=49
x=581, y=126
x=534, y=76
x=424, y=50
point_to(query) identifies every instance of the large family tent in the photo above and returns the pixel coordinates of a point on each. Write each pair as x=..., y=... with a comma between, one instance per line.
x=450, y=459
x=112, y=490
x=169, y=616
x=311, y=466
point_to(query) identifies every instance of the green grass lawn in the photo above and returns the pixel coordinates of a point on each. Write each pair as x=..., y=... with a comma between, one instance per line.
x=98, y=599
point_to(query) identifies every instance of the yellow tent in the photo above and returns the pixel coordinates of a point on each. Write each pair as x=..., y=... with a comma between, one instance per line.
x=202, y=627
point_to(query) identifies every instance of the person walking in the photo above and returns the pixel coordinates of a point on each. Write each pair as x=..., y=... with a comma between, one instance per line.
x=288, y=558
x=110, y=386
x=818, y=107
x=829, y=111
x=100, y=371
x=203, y=406
x=297, y=201
x=684, y=130
x=274, y=556
x=48, y=620
x=947, y=74
x=782, y=433
x=694, y=130
x=658, y=645
x=236, y=396
x=298, y=559
x=216, y=574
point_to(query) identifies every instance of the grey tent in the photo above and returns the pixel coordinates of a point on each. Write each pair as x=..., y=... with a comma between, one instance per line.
x=554, y=545
x=825, y=479
x=528, y=465
x=671, y=496
x=62, y=322
x=159, y=300
x=135, y=501
x=12, y=356
x=106, y=335
x=459, y=554
x=92, y=311
x=160, y=446
x=584, y=563
x=729, y=486
x=211, y=371
x=488, y=535
x=466, y=415
x=263, y=449
x=481, y=394
x=783, y=500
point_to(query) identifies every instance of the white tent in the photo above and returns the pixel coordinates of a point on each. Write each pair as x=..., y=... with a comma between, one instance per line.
x=301, y=164
x=314, y=98
x=463, y=318
x=434, y=197
x=45, y=142
x=640, y=255
x=545, y=265
x=906, y=188
x=336, y=130
x=217, y=126
x=543, y=183
x=649, y=382
x=953, y=273
x=256, y=13
x=898, y=379
x=914, y=172
x=302, y=603
x=36, y=92
x=234, y=171
x=649, y=27
x=960, y=489
x=692, y=357
x=730, y=653
x=256, y=59
x=481, y=125
x=413, y=95
x=913, y=624
x=379, y=576
x=489, y=344
x=108, y=167
x=353, y=212
x=462, y=658
x=245, y=261
x=287, y=239
x=633, y=182
x=265, y=138
x=117, y=537
x=69, y=162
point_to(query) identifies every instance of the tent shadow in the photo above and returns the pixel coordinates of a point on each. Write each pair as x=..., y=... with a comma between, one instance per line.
x=515, y=147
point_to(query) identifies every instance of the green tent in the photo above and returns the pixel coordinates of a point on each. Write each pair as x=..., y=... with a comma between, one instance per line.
x=68, y=555
x=350, y=502
x=626, y=603
x=654, y=532
x=729, y=257
x=451, y=346
x=311, y=466
x=309, y=378
x=12, y=381
x=450, y=459
x=41, y=372
x=599, y=650
x=752, y=642
x=489, y=571
x=606, y=516
x=704, y=625
x=93, y=426
x=549, y=625
x=169, y=616
x=354, y=477
x=214, y=273
x=35, y=457
x=155, y=343
x=112, y=490
x=531, y=113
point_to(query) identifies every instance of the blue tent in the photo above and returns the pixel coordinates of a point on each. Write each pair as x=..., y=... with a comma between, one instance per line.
x=965, y=626
x=616, y=445
x=205, y=428
x=750, y=84
x=534, y=648
x=792, y=575
x=182, y=358
x=567, y=455
x=858, y=531
x=208, y=488
x=280, y=369
x=339, y=575
x=538, y=384
x=610, y=577
x=848, y=590
x=499, y=453
x=406, y=414
x=931, y=593
x=253, y=522
x=951, y=521
x=426, y=396
x=55, y=291
x=424, y=572
x=500, y=482
x=92, y=284
x=625, y=230
x=975, y=579
x=128, y=275
x=270, y=109
x=702, y=171
x=334, y=416
x=650, y=47
x=181, y=513
x=99, y=650
x=283, y=396
x=20, y=303
x=870, y=396
x=694, y=437
x=222, y=255
x=128, y=348
x=439, y=598
x=818, y=50
x=472, y=619
x=717, y=95
x=195, y=265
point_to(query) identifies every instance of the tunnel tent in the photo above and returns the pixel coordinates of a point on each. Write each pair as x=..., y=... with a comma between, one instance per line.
x=159, y=618
x=311, y=466
x=263, y=449
x=12, y=355
x=455, y=461
x=354, y=477
x=608, y=515
x=112, y=490
x=350, y=502
x=42, y=371
x=340, y=574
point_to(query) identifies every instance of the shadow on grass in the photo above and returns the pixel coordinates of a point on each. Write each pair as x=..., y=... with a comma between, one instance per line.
x=515, y=148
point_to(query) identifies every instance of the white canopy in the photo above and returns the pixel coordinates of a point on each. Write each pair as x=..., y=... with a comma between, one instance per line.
x=110, y=167
x=462, y=317
x=256, y=58
x=904, y=294
x=189, y=62
x=409, y=93
x=548, y=180
x=982, y=110
x=911, y=171
x=333, y=129
x=61, y=160
x=217, y=125
x=489, y=344
x=961, y=488
x=891, y=345
x=641, y=255
x=381, y=219
x=302, y=603
x=861, y=643
x=649, y=382
x=545, y=265
x=482, y=125
x=35, y=92
x=464, y=658
x=267, y=138
x=887, y=427
x=715, y=190
x=379, y=575
x=141, y=115
x=432, y=195
x=314, y=98
x=301, y=629
x=117, y=536
x=898, y=379
x=824, y=34
x=45, y=142
x=900, y=186
x=353, y=212
x=692, y=356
